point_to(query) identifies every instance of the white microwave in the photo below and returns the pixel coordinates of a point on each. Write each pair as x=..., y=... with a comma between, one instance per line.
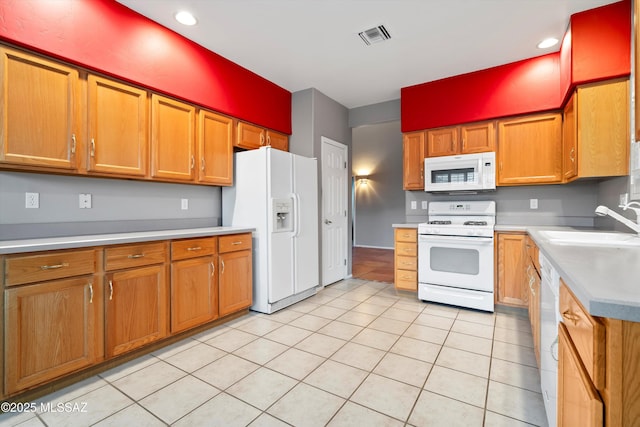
x=466, y=172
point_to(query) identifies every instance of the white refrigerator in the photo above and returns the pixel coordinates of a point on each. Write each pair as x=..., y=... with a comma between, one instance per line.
x=276, y=192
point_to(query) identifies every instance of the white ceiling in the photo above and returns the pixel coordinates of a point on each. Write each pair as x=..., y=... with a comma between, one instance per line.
x=301, y=44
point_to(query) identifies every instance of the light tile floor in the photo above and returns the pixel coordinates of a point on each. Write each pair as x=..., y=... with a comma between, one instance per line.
x=356, y=354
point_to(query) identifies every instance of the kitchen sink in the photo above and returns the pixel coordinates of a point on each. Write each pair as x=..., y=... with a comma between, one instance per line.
x=591, y=238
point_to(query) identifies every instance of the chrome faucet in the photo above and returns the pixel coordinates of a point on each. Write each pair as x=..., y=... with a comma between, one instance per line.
x=635, y=226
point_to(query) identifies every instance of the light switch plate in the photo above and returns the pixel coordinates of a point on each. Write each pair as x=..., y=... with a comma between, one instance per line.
x=32, y=200
x=84, y=201
x=424, y=204
x=414, y=204
x=624, y=199
x=533, y=203
x=184, y=204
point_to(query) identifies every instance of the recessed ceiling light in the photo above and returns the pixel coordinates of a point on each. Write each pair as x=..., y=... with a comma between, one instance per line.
x=546, y=43
x=185, y=18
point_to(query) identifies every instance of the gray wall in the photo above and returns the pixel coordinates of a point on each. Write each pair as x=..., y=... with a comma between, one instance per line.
x=377, y=150
x=118, y=205
x=570, y=204
x=315, y=115
x=382, y=112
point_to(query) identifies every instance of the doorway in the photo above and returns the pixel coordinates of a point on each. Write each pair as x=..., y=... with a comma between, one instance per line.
x=334, y=221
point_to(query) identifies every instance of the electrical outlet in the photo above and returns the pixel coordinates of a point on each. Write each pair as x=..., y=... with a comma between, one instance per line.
x=184, y=204
x=414, y=204
x=84, y=201
x=424, y=204
x=624, y=199
x=32, y=200
x=533, y=203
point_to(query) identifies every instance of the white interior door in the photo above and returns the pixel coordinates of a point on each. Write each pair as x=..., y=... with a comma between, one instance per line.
x=334, y=211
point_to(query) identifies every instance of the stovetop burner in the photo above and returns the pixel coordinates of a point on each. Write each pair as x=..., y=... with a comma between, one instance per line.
x=440, y=222
x=475, y=223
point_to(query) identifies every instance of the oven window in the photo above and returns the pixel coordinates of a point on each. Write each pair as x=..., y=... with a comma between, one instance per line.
x=453, y=175
x=454, y=260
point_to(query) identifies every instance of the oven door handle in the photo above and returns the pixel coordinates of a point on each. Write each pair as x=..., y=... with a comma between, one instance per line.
x=470, y=241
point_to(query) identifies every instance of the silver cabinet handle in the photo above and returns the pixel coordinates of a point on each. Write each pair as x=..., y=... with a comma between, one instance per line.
x=54, y=267
x=135, y=256
x=213, y=268
x=202, y=164
x=222, y=270
x=195, y=248
x=236, y=243
x=554, y=354
x=90, y=293
x=110, y=290
x=93, y=147
x=73, y=143
x=326, y=221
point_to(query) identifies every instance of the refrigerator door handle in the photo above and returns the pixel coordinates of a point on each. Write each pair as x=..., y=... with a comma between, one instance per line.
x=296, y=208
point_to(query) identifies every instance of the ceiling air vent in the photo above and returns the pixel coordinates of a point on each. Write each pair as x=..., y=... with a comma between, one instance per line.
x=375, y=35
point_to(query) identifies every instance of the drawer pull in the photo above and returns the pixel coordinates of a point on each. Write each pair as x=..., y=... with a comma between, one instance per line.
x=408, y=250
x=90, y=293
x=110, y=290
x=571, y=316
x=135, y=256
x=237, y=243
x=54, y=267
x=195, y=248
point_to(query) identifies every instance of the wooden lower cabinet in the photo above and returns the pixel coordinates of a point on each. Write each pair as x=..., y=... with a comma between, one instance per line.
x=136, y=296
x=52, y=329
x=579, y=403
x=235, y=285
x=510, y=265
x=406, y=259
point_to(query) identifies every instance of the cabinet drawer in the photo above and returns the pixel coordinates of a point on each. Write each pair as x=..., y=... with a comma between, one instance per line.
x=407, y=276
x=406, y=249
x=406, y=235
x=192, y=248
x=21, y=269
x=120, y=257
x=234, y=242
x=407, y=263
x=587, y=334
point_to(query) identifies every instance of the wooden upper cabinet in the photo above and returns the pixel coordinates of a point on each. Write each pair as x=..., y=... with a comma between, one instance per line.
x=597, y=129
x=118, y=131
x=442, y=142
x=478, y=137
x=39, y=123
x=172, y=139
x=570, y=141
x=215, y=148
x=250, y=136
x=278, y=140
x=530, y=150
x=414, y=151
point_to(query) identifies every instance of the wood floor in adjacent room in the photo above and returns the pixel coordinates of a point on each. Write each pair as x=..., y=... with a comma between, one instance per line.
x=373, y=264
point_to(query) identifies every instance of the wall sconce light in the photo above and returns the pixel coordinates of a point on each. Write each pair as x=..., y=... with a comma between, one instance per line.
x=362, y=179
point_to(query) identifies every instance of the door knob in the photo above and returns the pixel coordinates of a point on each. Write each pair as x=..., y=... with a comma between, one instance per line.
x=326, y=221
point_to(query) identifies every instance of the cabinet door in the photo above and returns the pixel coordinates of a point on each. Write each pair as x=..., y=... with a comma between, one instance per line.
x=511, y=289
x=579, y=403
x=39, y=122
x=603, y=129
x=413, y=151
x=172, y=139
x=530, y=150
x=215, y=148
x=235, y=281
x=52, y=328
x=250, y=136
x=136, y=308
x=194, y=293
x=442, y=142
x=278, y=140
x=118, y=131
x=478, y=137
x=570, y=141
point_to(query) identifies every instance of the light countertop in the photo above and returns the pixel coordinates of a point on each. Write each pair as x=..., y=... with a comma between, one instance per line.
x=51, y=243
x=406, y=225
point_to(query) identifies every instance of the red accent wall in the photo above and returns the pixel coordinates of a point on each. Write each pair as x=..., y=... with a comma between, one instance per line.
x=601, y=43
x=107, y=37
x=597, y=46
x=517, y=88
